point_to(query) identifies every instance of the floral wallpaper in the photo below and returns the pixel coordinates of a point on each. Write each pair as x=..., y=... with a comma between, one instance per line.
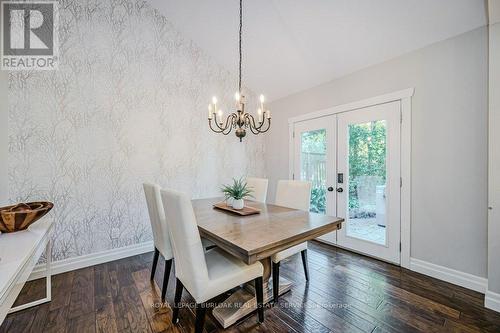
x=127, y=105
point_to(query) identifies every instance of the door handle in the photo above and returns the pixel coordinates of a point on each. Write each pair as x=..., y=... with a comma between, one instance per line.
x=330, y=189
x=340, y=190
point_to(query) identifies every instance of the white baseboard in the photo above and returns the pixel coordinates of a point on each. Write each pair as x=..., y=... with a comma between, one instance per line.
x=459, y=278
x=92, y=259
x=492, y=300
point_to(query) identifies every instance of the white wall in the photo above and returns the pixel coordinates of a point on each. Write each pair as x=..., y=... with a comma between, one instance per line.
x=494, y=150
x=449, y=142
x=4, y=138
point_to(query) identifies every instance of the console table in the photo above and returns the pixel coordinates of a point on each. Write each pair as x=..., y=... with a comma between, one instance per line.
x=19, y=253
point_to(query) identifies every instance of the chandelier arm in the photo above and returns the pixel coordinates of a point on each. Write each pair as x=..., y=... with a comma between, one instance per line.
x=253, y=126
x=222, y=129
x=260, y=126
x=229, y=125
x=229, y=129
x=251, y=122
x=211, y=127
x=219, y=128
x=268, y=126
x=254, y=129
x=259, y=129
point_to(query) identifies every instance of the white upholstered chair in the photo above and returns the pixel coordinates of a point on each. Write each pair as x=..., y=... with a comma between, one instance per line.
x=205, y=275
x=161, y=237
x=293, y=194
x=259, y=188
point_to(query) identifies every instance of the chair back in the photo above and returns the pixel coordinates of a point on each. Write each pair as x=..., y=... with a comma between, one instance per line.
x=259, y=188
x=190, y=264
x=161, y=235
x=294, y=194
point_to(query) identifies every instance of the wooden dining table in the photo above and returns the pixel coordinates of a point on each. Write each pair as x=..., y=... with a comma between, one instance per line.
x=255, y=238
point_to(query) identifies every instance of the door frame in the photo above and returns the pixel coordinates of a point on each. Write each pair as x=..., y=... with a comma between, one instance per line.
x=404, y=96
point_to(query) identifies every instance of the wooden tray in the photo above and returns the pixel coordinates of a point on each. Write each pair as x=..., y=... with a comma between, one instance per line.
x=243, y=212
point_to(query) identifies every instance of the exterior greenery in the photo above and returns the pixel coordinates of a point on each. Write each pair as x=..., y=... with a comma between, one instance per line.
x=367, y=155
x=318, y=200
x=314, y=168
x=367, y=159
x=314, y=142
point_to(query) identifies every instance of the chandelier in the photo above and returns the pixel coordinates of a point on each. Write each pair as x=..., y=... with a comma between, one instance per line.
x=240, y=120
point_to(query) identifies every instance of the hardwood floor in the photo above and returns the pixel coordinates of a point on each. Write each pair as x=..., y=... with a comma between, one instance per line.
x=346, y=293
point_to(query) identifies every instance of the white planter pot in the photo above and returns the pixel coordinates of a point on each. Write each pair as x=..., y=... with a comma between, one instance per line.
x=238, y=204
x=229, y=202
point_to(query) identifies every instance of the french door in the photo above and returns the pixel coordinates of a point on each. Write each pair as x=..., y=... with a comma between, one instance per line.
x=353, y=162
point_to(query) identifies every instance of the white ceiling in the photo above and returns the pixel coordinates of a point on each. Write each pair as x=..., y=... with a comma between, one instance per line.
x=292, y=45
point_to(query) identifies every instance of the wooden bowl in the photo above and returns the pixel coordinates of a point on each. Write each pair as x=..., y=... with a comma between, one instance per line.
x=21, y=216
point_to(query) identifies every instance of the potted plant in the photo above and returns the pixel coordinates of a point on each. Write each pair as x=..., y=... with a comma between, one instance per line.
x=236, y=193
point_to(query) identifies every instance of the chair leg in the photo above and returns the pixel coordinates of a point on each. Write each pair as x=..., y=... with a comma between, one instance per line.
x=304, y=262
x=155, y=261
x=201, y=310
x=166, y=275
x=276, y=281
x=259, y=294
x=177, y=300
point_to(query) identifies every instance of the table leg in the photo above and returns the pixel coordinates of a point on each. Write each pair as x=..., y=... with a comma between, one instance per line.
x=48, y=283
x=243, y=301
x=267, y=269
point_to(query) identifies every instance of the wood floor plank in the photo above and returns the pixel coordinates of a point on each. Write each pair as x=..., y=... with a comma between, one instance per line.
x=61, y=290
x=82, y=324
x=104, y=307
x=397, y=295
x=82, y=294
x=159, y=314
x=453, y=326
x=328, y=319
x=416, y=320
x=24, y=321
x=57, y=316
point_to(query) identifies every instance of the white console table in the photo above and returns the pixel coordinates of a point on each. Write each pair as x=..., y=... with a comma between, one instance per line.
x=19, y=253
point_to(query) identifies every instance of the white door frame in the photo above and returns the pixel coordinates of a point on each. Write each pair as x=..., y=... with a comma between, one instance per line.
x=404, y=96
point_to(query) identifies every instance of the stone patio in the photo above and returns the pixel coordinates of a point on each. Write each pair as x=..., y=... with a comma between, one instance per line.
x=366, y=229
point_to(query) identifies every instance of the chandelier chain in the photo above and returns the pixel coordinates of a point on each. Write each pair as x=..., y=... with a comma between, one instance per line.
x=241, y=28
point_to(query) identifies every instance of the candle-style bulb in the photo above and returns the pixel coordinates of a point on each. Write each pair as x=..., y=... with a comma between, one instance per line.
x=214, y=100
x=210, y=111
x=268, y=114
x=220, y=114
x=237, y=96
x=261, y=98
x=259, y=115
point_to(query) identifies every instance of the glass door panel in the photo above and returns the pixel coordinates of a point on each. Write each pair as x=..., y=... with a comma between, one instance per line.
x=314, y=161
x=313, y=166
x=367, y=181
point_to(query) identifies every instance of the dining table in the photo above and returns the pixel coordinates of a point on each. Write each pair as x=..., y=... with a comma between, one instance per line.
x=255, y=238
